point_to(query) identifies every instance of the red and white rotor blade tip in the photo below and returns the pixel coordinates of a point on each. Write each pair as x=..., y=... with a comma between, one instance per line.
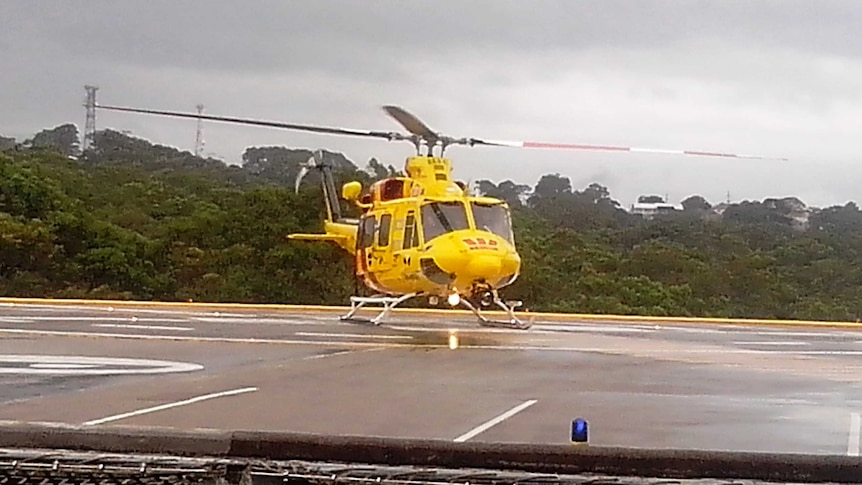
x=613, y=148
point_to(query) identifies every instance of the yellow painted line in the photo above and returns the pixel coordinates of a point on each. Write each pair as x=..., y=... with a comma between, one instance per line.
x=163, y=304
x=432, y=311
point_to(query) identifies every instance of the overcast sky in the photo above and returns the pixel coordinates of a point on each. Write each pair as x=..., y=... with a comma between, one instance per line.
x=773, y=78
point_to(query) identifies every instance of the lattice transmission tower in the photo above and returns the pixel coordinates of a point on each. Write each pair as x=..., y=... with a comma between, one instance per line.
x=90, y=123
x=199, y=136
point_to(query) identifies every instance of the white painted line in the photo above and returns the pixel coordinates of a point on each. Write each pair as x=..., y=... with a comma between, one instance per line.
x=162, y=407
x=693, y=330
x=184, y=338
x=776, y=343
x=823, y=352
x=324, y=356
x=186, y=313
x=835, y=334
x=853, y=436
x=257, y=321
x=567, y=348
x=63, y=319
x=593, y=329
x=72, y=365
x=353, y=335
x=343, y=352
x=473, y=330
x=499, y=419
x=142, y=327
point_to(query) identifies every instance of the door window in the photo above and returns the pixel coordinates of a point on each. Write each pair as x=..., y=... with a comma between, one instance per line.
x=383, y=230
x=368, y=228
x=411, y=237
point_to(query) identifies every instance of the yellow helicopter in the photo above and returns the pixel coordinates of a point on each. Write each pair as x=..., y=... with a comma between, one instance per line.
x=423, y=234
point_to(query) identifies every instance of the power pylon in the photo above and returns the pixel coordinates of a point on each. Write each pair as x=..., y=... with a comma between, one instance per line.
x=90, y=123
x=199, y=136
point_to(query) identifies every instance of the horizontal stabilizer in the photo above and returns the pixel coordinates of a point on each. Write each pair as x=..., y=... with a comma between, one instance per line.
x=337, y=238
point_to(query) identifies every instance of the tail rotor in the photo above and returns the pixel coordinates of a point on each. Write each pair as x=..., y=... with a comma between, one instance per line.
x=316, y=161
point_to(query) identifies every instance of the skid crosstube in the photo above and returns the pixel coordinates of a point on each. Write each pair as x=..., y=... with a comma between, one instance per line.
x=390, y=302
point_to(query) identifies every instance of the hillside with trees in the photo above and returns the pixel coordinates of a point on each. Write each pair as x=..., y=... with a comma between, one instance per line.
x=135, y=220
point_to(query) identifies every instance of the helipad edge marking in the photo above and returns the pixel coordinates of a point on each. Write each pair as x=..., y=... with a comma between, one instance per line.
x=321, y=308
x=854, y=435
x=162, y=407
x=495, y=421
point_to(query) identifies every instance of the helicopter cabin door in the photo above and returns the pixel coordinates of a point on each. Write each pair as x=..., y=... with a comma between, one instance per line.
x=382, y=246
x=364, y=241
x=373, y=251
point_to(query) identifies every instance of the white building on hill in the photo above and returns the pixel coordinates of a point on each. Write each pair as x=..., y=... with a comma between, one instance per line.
x=648, y=210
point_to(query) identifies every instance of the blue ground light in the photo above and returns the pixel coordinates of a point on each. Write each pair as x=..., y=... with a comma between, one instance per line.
x=580, y=431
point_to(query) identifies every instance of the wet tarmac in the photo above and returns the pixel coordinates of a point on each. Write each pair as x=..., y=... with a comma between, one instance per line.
x=655, y=385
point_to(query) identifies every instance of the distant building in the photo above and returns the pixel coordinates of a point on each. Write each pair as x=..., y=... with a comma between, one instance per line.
x=793, y=208
x=719, y=208
x=649, y=210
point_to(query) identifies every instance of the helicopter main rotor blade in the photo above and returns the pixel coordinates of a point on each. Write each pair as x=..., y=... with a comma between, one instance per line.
x=412, y=124
x=271, y=124
x=420, y=130
x=613, y=148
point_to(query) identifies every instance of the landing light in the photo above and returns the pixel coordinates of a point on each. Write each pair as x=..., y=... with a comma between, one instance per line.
x=454, y=299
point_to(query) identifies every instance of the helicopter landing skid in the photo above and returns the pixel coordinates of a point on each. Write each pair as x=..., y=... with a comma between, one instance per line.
x=508, y=307
x=388, y=302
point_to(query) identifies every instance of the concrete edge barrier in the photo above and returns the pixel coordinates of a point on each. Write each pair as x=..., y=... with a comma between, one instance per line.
x=115, y=439
x=550, y=458
x=547, y=458
x=598, y=318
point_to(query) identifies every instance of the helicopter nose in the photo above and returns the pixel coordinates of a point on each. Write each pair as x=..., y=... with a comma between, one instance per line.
x=484, y=266
x=459, y=261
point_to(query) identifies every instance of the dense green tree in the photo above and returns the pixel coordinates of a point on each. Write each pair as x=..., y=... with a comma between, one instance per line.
x=843, y=220
x=137, y=220
x=379, y=171
x=514, y=194
x=7, y=143
x=696, y=203
x=24, y=192
x=757, y=213
x=63, y=139
x=550, y=187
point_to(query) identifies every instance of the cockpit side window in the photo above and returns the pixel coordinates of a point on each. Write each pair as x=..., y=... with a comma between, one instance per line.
x=439, y=218
x=495, y=219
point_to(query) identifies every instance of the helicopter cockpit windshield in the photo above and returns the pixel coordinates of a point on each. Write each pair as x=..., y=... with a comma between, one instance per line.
x=493, y=218
x=438, y=218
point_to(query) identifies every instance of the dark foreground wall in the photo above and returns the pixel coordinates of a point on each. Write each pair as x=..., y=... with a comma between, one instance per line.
x=238, y=449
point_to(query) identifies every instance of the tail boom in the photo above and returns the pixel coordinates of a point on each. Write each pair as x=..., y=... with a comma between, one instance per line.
x=341, y=233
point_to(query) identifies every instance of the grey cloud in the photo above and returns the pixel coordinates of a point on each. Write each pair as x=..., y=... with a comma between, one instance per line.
x=332, y=34
x=771, y=77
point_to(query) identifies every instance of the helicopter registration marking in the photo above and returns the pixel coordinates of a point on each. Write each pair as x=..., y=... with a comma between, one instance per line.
x=480, y=243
